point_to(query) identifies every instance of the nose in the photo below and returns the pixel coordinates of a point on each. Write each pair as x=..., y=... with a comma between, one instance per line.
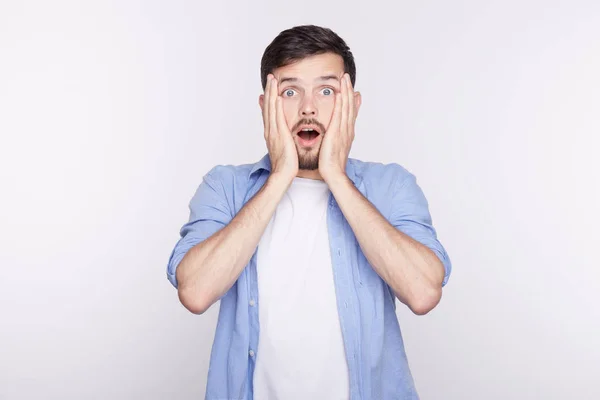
x=308, y=108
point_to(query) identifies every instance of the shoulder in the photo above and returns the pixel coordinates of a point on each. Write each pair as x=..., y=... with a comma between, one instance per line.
x=230, y=173
x=378, y=173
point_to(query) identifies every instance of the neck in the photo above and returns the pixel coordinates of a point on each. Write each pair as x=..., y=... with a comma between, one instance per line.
x=309, y=174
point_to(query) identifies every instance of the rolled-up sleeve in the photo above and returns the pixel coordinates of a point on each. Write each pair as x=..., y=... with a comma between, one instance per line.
x=209, y=212
x=410, y=214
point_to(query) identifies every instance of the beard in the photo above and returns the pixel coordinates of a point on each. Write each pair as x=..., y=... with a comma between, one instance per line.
x=308, y=159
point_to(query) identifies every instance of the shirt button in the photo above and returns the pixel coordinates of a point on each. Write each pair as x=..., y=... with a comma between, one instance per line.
x=252, y=303
x=251, y=353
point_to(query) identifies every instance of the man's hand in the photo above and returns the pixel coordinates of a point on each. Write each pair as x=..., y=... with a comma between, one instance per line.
x=280, y=144
x=340, y=134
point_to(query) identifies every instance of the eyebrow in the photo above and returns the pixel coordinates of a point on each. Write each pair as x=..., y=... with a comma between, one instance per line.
x=321, y=78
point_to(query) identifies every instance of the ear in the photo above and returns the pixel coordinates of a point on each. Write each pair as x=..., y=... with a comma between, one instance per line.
x=357, y=102
x=261, y=101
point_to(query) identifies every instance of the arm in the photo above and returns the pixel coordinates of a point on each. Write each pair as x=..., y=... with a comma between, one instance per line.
x=395, y=250
x=210, y=268
x=413, y=271
x=222, y=246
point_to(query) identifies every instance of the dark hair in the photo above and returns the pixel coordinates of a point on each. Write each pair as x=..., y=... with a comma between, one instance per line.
x=303, y=41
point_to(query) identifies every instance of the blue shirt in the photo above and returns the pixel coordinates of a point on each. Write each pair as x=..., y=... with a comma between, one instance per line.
x=377, y=364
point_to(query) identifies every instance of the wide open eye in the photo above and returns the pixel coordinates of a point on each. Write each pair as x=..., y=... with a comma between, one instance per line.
x=327, y=91
x=288, y=92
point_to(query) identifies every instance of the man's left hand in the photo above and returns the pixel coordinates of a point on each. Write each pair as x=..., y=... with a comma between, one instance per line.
x=338, y=139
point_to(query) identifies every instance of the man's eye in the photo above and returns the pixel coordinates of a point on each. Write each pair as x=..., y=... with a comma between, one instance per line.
x=327, y=91
x=289, y=92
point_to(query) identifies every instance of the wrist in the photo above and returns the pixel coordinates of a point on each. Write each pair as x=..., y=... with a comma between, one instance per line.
x=280, y=179
x=335, y=178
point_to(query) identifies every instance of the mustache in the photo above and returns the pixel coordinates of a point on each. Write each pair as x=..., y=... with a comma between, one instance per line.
x=310, y=121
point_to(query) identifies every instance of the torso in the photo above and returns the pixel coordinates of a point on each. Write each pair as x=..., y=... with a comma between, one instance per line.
x=301, y=351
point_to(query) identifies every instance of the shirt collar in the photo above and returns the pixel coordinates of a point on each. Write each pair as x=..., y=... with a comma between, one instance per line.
x=263, y=163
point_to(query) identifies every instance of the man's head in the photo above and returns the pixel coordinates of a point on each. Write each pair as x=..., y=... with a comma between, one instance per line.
x=308, y=62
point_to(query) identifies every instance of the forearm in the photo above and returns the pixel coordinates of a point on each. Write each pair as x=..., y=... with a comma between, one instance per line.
x=411, y=269
x=209, y=269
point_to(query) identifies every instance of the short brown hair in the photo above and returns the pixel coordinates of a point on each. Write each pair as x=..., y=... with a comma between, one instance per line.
x=303, y=41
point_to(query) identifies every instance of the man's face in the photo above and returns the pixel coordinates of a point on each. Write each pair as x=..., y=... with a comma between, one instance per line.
x=308, y=89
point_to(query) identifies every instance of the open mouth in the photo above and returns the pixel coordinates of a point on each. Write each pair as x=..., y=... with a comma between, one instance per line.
x=308, y=136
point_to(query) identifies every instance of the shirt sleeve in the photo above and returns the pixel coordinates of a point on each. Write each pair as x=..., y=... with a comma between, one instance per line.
x=410, y=214
x=209, y=213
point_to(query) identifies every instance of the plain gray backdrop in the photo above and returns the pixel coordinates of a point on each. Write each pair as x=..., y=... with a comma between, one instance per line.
x=112, y=111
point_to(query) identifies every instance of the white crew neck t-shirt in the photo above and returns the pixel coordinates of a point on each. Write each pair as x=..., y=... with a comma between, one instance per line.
x=300, y=351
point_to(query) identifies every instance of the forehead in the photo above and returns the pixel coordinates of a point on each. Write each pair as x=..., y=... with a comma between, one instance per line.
x=311, y=68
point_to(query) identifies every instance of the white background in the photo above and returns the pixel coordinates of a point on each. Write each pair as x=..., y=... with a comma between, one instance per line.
x=111, y=112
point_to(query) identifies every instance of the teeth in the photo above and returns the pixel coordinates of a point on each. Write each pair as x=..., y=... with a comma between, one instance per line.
x=307, y=130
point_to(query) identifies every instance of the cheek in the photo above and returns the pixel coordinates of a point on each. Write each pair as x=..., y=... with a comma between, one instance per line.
x=290, y=111
x=326, y=107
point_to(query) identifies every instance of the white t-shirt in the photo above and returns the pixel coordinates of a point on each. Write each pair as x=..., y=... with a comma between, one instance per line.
x=300, y=351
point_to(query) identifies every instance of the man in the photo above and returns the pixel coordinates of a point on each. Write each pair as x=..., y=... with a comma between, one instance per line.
x=307, y=249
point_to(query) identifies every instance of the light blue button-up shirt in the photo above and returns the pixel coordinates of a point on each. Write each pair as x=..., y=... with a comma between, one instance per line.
x=377, y=364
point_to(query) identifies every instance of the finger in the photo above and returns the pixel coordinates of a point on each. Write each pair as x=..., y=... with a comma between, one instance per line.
x=265, y=108
x=273, y=105
x=351, y=110
x=334, y=124
x=282, y=127
x=344, y=116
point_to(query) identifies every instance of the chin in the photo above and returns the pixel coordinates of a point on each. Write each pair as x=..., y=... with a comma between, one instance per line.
x=308, y=167
x=308, y=161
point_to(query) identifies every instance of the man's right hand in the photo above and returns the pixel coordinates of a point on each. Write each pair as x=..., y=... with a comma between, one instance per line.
x=210, y=268
x=280, y=143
